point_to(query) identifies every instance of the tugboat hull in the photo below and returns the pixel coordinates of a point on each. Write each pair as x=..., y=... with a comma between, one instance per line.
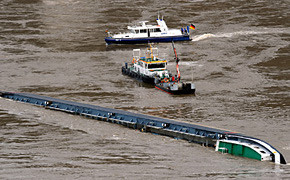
x=140, y=77
x=186, y=88
x=110, y=40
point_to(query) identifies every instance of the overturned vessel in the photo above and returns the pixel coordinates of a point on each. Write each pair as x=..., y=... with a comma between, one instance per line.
x=222, y=140
x=153, y=70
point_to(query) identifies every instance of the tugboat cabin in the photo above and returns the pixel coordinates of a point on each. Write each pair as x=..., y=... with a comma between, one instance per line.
x=149, y=64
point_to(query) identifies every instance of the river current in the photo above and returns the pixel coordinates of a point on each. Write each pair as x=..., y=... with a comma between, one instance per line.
x=238, y=59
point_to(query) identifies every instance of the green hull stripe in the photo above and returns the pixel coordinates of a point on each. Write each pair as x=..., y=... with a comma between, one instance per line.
x=238, y=150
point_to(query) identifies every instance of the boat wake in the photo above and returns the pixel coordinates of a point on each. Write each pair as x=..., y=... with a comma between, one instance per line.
x=225, y=35
x=202, y=37
x=188, y=63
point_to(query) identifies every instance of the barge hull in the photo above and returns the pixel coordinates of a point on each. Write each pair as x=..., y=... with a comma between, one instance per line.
x=204, y=135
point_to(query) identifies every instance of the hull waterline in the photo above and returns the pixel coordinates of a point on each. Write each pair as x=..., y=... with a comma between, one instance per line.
x=110, y=40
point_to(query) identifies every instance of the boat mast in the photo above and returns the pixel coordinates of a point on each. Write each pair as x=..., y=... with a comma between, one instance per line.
x=177, y=60
x=149, y=53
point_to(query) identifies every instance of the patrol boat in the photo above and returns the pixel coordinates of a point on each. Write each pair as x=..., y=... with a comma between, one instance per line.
x=153, y=70
x=149, y=33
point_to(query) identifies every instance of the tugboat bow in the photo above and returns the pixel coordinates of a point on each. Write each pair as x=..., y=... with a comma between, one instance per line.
x=174, y=85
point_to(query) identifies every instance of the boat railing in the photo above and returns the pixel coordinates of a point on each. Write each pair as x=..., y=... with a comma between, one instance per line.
x=143, y=23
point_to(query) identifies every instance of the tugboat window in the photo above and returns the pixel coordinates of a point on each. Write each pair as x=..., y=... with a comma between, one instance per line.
x=151, y=66
x=137, y=31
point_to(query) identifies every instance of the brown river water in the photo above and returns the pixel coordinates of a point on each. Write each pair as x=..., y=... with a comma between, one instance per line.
x=238, y=59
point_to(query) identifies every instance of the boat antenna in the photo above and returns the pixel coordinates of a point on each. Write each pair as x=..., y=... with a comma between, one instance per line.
x=177, y=60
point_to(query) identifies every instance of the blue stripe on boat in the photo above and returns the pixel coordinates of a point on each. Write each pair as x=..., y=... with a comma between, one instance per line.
x=110, y=40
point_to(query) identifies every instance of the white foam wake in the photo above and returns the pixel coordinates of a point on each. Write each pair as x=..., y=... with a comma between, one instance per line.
x=201, y=37
x=225, y=35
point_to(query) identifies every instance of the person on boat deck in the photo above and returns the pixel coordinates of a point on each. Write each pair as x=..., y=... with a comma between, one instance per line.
x=176, y=77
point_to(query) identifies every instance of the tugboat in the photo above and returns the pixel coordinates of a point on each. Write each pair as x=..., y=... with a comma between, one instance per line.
x=146, y=68
x=153, y=70
x=173, y=85
x=149, y=33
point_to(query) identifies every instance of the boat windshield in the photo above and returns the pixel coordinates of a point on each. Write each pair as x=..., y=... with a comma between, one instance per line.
x=157, y=30
x=143, y=30
x=159, y=65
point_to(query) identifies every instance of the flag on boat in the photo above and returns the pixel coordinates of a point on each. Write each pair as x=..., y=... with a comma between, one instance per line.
x=192, y=27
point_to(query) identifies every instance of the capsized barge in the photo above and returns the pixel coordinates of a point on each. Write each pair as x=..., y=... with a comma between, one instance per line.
x=223, y=140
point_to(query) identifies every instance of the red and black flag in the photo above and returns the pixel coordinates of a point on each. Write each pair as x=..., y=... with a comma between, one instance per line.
x=192, y=27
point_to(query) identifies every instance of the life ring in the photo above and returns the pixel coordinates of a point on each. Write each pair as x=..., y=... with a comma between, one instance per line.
x=166, y=80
